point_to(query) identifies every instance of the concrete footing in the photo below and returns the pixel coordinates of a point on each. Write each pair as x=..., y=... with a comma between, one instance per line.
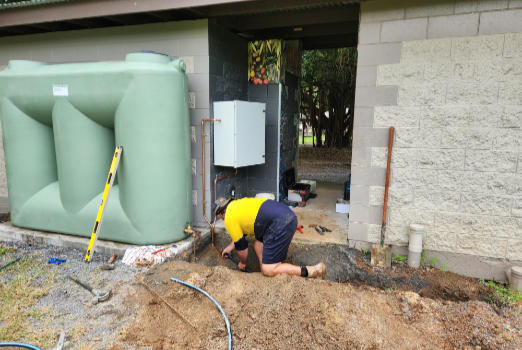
x=10, y=233
x=462, y=264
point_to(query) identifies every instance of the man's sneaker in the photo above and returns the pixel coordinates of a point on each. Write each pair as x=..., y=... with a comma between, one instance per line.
x=317, y=271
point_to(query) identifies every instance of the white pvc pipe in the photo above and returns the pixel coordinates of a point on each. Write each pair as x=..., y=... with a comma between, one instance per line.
x=515, y=282
x=415, y=245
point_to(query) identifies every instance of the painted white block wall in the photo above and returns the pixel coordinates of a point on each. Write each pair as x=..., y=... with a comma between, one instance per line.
x=457, y=110
x=455, y=165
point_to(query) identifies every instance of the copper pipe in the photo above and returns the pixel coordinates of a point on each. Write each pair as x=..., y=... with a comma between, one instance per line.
x=219, y=178
x=387, y=184
x=212, y=231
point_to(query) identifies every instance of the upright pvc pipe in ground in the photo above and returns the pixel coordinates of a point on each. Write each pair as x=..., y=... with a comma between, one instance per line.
x=415, y=245
x=215, y=302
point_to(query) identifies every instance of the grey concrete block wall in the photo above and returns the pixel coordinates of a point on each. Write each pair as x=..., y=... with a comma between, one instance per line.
x=263, y=178
x=453, y=100
x=228, y=81
x=186, y=39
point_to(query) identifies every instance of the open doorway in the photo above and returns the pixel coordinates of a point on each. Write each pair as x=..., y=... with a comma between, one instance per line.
x=325, y=139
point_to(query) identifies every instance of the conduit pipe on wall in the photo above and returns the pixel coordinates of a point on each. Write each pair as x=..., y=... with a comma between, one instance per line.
x=203, y=121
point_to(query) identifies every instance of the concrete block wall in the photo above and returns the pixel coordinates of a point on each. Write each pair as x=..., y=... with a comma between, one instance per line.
x=228, y=81
x=186, y=39
x=448, y=76
x=263, y=178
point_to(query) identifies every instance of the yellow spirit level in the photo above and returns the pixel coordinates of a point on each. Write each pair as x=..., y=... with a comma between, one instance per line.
x=105, y=198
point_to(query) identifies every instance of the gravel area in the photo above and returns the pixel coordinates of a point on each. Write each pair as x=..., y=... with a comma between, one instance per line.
x=69, y=307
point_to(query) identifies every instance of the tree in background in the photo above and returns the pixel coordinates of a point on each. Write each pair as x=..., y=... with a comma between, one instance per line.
x=328, y=93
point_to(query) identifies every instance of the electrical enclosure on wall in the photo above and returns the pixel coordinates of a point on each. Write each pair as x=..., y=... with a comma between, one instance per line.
x=239, y=138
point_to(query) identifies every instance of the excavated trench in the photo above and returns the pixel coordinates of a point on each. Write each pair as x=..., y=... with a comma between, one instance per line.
x=346, y=265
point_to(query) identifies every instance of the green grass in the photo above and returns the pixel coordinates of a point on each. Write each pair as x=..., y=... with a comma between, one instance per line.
x=398, y=257
x=308, y=139
x=4, y=250
x=502, y=295
x=21, y=285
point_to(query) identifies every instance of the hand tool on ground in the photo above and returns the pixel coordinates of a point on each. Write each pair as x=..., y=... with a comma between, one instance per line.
x=318, y=230
x=99, y=295
x=324, y=229
x=381, y=253
x=166, y=303
x=56, y=261
x=300, y=229
x=107, y=267
x=105, y=197
x=110, y=263
x=112, y=258
x=61, y=342
x=9, y=263
x=236, y=261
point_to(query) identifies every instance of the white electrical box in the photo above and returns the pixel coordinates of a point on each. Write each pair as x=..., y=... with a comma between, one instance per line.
x=239, y=138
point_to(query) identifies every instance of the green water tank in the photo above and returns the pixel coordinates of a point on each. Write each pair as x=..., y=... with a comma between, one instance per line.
x=60, y=126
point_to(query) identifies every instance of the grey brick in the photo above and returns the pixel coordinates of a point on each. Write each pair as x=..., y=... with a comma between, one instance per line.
x=359, y=195
x=411, y=29
x=465, y=6
x=198, y=82
x=487, y=5
x=427, y=8
x=273, y=91
x=515, y=4
x=194, y=46
x=257, y=91
x=379, y=54
x=370, y=137
x=272, y=111
x=369, y=33
x=366, y=214
x=363, y=116
x=366, y=76
x=375, y=11
x=195, y=118
x=201, y=64
x=357, y=231
x=366, y=96
x=368, y=176
x=215, y=66
x=500, y=22
x=453, y=26
x=361, y=156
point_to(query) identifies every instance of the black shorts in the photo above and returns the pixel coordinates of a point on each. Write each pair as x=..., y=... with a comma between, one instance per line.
x=277, y=237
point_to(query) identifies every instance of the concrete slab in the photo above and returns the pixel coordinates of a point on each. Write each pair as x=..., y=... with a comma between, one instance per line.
x=10, y=233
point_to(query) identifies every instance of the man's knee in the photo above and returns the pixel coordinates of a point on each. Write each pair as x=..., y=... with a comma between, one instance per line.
x=268, y=270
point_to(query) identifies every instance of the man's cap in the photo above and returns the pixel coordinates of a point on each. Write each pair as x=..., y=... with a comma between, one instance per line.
x=219, y=205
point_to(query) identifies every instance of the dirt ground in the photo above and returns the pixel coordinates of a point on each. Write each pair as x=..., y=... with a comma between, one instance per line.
x=295, y=313
x=370, y=308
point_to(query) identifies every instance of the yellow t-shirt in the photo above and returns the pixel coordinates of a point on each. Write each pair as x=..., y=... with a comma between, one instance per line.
x=240, y=217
